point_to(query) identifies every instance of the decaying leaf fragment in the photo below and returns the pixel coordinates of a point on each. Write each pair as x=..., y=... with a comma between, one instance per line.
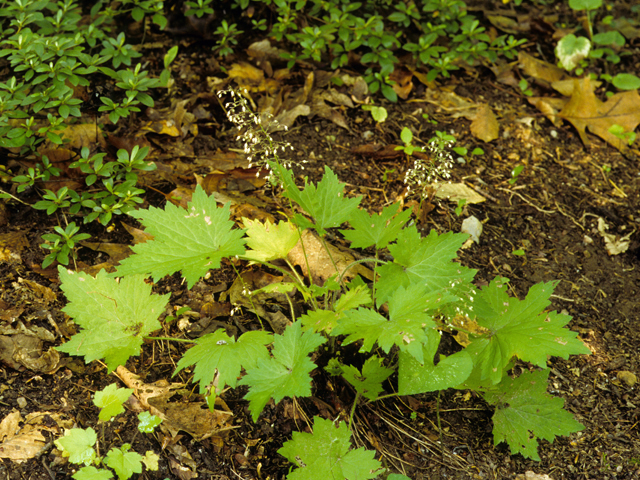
x=612, y=243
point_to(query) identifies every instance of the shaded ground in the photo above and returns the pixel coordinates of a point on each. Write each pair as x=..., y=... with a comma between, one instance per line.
x=551, y=212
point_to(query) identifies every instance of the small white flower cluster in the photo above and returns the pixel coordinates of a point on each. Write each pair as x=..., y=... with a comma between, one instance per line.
x=258, y=144
x=427, y=171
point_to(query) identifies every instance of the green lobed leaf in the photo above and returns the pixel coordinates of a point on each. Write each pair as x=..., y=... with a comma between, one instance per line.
x=326, y=320
x=325, y=202
x=526, y=412
x=369, y=382
x=518, y=328
x=147, y=423
x=92, y=473
x=325, y=454
x=268, y=241
x=110, y=401
x=286, y=374
x=426, y=261
x=124, y=462
x=192, y=241
x=114, y=316
x=405, y=327
x=218, y=351
x=77, y=444
x=414, y=378
x=374, y=229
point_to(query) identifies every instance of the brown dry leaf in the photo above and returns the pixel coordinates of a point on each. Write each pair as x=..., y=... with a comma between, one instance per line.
x=11, y=244
x=544, y=73
x=319, y=261
x=23, y=444
x=181, y=472
x=22, y=350
x=254, y=280
x=286, y=118
x=529, y=475
x=139, y=236
x=585, y=111
x=194, y=418
x=614, y=245
x=263, y=51
x=456, y=192
x=37, y=293
x=485, y=124
x=252, y=79
x=402, y=85
x=510, y=25
x=116, y=251
x=83, y=135
x=550, y=107
x=223, y=161
x=9, y=314
x=165, y=126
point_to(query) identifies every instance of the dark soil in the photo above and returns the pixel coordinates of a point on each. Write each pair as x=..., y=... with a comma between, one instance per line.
x=551, y=212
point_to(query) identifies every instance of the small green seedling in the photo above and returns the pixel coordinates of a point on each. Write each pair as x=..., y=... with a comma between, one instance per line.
x=461, y=203
x=407, y=137
x=379, y=114
x=515, y=174
x=622, y=134
x=524, y=87
x=79, y=444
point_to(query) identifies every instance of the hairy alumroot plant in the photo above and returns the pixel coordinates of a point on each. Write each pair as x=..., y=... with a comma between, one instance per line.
x=427, y=171
x=254, y=133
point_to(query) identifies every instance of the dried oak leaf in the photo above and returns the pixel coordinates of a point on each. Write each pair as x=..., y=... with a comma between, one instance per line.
x=584, y=110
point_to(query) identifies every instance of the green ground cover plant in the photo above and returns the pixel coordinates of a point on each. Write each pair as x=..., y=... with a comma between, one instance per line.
x=79, y=445
x=396, y=320
x=53, y=55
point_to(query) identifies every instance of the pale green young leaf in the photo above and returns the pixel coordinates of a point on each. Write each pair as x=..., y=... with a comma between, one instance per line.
x=92, y=473
x=268, y=241
x=77, y=444
x=526, y=412
x=426, y=261
x=110, y=401
x=325, y=454
x=405, y=327
x=378, y=230
x=124, y=462
x=325, y=202
x=150, y=460
x=518, y=328
x=218, y=351
x=369, y=382
x=114, y=316
x=147, y=423
x=286, y=374
x=192, y=241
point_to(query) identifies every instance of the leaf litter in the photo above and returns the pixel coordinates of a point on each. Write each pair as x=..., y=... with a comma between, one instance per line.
x=583, y=122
